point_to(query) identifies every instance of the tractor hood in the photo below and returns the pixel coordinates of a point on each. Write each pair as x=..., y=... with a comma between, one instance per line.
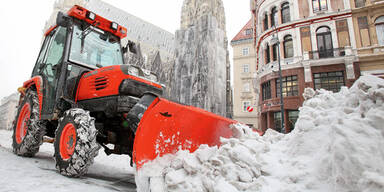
x=117, y=80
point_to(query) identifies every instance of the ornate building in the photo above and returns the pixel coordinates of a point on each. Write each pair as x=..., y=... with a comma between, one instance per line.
x=315, y=40
x=192, y=10
x=200, y=75
x=368, y=22
x=244, y=68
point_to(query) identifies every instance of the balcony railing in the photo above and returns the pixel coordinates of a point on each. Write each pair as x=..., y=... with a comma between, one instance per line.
x=327, y=53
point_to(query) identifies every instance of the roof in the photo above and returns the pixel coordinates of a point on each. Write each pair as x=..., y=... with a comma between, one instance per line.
x=242, y=35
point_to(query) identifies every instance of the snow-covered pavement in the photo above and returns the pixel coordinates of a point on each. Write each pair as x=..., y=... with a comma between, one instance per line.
x=38, y=174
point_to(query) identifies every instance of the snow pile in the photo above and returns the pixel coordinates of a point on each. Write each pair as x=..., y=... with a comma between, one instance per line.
x=337, y=145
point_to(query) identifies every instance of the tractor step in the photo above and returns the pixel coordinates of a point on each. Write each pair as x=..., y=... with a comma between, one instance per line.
x=47, y=139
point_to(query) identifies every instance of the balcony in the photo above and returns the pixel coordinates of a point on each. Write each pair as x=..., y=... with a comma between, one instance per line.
x=327, y=53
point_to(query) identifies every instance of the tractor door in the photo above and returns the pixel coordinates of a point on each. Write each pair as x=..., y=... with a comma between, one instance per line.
x=48, y=66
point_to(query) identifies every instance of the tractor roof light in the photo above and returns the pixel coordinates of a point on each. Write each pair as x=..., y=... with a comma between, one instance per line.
x=114, y=26
x=91, y=16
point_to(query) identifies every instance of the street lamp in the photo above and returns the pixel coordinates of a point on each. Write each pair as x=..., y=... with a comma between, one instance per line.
x=275, y=40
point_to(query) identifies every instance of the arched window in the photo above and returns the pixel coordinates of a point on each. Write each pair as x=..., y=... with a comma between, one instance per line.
x=288, y=46
x=324, y=42
x=274, y=17
x=275, y=51
x=285, y=13
x=380, y=29
x=265, y=21
x=267, y=54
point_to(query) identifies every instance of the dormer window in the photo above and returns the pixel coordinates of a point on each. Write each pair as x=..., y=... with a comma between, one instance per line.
x=248, y=32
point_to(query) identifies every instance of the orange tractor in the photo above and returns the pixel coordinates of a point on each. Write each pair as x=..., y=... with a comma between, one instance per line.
x=82, y=96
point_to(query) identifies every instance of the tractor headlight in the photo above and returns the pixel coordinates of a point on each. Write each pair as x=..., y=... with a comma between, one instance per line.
x=114, y=26
x=153, y=77
x=133, y=70
x=91, y=15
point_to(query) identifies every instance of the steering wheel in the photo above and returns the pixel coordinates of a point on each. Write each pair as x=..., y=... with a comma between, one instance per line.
x=48, y=70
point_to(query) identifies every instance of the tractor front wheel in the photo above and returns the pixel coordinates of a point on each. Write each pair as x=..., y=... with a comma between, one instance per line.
x=28, y=131
x=75, y=143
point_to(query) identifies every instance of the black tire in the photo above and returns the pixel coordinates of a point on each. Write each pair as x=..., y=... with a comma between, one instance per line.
x=29, y=144
x=82, y=146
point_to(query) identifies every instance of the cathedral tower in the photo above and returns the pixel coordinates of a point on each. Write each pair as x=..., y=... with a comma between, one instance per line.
x=200, y=71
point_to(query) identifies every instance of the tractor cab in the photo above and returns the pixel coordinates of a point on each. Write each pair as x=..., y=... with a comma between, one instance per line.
x=82, y=42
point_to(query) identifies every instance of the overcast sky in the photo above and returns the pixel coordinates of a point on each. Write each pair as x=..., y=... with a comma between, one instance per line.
x=23, y=22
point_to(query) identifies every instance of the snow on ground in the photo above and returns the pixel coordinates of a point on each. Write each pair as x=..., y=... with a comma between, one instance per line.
x=337, y=145
x=38, y=174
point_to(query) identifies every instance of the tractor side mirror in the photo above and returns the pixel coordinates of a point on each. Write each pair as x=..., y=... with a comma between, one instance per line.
x=131, y=46
x=62, y=19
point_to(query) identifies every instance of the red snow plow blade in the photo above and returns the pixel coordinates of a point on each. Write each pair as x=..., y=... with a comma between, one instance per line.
x=168, y=127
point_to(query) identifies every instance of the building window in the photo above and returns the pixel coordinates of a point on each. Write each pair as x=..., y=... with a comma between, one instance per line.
x=246, y=104
x=285, y=13
x=274, y=20
x=275, y=50
x=248, y=32
x=245, y=68
x=290, y=86
x=265, y=21
x=331, y=81
x=364, y=31
x=246, y=87
x=319, y=5
x=359, y=3
x=380, y=30
x=267, y=54
x=288, y=46
x=245, y=51
x=292, y=119
x=324, y=42
x=277, y=121
x=266, y=90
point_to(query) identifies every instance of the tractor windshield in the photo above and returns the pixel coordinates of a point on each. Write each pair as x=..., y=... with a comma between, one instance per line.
x=93, y=47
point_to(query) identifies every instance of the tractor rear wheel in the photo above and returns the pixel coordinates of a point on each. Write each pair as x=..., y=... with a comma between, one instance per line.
x=75, y=143
x=28, y=131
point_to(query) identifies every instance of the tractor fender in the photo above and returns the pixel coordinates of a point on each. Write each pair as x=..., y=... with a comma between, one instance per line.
x=36, y=81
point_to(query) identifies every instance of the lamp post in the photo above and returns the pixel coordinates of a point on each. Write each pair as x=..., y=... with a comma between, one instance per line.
x=275, y=40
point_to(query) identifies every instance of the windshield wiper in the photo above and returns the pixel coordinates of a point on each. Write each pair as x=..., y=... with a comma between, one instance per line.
x=85, y=33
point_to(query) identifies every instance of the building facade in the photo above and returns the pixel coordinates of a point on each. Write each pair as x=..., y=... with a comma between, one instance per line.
x=244, y=68
x=368, y=22
x=315, y=41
